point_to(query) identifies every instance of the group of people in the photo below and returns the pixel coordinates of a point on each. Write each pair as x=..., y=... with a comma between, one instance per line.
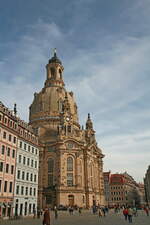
x=129, y=212
x=101, y=210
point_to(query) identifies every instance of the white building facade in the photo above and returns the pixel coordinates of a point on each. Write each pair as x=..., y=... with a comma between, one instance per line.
x=26, y=180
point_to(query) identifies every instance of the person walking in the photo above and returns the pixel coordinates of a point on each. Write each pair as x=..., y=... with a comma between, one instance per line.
x=100, y=213
x=146, y=209
x=56, y=212
x=46, y=217
x=130, y=214
x=125, y=213
x=79, y=210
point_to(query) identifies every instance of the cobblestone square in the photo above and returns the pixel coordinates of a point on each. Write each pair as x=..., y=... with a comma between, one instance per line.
x=86, y=218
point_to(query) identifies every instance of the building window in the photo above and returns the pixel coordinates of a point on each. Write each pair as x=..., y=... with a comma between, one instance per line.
x=23, y=174
x=35, y=178
x=20, y=158
x=34, y=193
x=27, y=176
x=31, y=191
x=69, y=179
x=32, y=162
x=4, y=135
x=5, y=120
x=14, y=140
x=10, y=123
x=26, y=190
x=25, y=146
x=28, y=148
x=50, y=171
x=3, y=149
x=69, y=128
x=8, y=151
x=5, y=186
x=50, y=165
x=69, y=164
x=31, y=177
x=70, y=168
x=9, y=137
x=24, y=160
x=18, y=174
x=52, y=69
x=20, y=144
x=12, y=169
x=7, y=168
x=28, y=162
x=17, y=190
x=10, y=187
x=50, y=180
x=13, y=153
x=22, y=190
x=35, y=164
x=48, y=199
x=32, y=150
x=1, y=166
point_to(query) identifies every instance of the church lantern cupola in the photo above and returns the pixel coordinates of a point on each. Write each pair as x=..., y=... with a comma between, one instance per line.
x=54, y=72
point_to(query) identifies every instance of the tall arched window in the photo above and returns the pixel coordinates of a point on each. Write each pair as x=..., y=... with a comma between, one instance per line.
x=50, y=172
x=69, y=171
x=60, y=73
x=52, y=69
x=69, y=164
x=60, y=105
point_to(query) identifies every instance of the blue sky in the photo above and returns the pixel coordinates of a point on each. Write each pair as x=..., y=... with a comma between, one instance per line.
x=105, y=48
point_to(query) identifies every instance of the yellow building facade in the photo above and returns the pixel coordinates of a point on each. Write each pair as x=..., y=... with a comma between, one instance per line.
x=70, y=166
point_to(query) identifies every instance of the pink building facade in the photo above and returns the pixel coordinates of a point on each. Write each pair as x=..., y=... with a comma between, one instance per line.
x=8, y=151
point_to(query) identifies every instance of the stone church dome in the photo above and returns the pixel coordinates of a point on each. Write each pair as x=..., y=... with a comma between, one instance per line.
x=53, y=99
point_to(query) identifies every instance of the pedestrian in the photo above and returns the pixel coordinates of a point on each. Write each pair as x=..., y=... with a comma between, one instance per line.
x=134, y=211
x=125, y=213
x=100, y=212
x=41, y=212
x=130, y=214
x=104, y=212
x=38, y=213
x=56, y=212
x=70, y=210
x=146, y=209
x=79, y=210
x=34, y=213
x=46, y=217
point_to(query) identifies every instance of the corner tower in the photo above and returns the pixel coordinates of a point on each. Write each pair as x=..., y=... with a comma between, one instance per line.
x=70, y=166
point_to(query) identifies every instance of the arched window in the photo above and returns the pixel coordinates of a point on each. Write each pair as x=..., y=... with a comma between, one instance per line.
x=70, y=171
x=50, y=165
x=69, y=164
x=60, y=73
x=52, y=72
x=50, y=172
x=60, y=105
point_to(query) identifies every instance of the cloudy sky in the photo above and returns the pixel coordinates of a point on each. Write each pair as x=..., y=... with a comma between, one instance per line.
x=105, y=48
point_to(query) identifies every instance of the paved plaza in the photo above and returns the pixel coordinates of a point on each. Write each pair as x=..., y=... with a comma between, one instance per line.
x=86, y=218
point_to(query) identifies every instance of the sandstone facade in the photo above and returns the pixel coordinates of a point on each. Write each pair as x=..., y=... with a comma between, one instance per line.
x=70, y=166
